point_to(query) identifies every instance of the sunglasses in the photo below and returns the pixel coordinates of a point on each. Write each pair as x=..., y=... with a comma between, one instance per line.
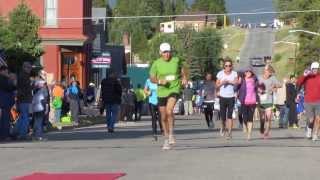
x=166, y=51
x=227, y=65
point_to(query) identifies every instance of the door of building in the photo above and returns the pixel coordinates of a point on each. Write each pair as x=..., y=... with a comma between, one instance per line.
x=71, y=67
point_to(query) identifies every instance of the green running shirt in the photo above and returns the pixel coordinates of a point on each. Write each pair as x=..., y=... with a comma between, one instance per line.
x=170, y=71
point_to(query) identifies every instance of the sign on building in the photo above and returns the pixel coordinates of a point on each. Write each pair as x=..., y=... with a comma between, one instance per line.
x=103, y=61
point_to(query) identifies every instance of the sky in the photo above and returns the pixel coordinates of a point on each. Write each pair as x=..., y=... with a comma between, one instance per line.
x=244, y=6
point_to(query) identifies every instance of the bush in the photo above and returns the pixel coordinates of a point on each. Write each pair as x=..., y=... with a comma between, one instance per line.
x=277, y=57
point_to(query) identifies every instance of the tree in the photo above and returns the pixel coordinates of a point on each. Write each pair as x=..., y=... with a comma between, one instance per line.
x=206, y=51
x=309, y=48
x=172, y=7
x=140, y=29
x=286, y=5
x=210, y=6
x=100, y=3
x=20, y=39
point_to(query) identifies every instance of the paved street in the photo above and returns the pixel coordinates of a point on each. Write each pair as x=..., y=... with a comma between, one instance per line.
x=199, y=154
x=258, y=43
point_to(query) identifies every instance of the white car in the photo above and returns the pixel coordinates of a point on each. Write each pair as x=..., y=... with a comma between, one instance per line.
x=263, y=25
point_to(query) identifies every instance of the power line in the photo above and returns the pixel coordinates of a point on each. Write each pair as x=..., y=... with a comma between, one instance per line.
x=187, y=15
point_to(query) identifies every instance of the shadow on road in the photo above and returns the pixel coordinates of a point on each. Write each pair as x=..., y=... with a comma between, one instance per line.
x=120, y=133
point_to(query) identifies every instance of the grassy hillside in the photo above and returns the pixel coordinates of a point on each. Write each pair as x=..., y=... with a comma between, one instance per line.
x=234, y=37
x=284, y=52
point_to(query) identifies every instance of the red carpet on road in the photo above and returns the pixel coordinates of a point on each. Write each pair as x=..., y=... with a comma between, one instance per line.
x=71, y=176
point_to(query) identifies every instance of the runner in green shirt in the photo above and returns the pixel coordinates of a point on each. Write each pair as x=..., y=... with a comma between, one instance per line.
x=168, y=73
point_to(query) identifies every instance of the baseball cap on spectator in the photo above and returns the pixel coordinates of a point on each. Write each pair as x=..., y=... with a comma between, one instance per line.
x=315, y=65
x=165, y=47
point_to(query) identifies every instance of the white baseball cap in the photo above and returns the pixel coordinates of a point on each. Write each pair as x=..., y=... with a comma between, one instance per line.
x=315, y=65
x=165, y=47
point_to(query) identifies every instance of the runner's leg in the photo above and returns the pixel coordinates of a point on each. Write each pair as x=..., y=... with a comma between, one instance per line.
x=170, y=118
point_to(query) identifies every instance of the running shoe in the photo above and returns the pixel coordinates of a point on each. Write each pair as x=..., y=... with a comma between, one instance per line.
x=309, y=133
x=266, y=135
x=172, y=140
x=228, y=136
x=244, y=129
x=222, y=132
x=315, y=137
x=248, y=137
x=155, y=137
x=166, y=145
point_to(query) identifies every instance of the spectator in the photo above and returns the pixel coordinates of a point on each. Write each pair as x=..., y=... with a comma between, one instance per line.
x=90, y=94
x=280, y=103
x=291, y=102
x=43, y=77
x=198, y=101
x=300, y=105
x=111, y=91
x=73, y=97
x=127, y=105
x=39, y=108
x=187, y=94
x=57, y=96
x=140, y=97
x=130, y=100
x=24, y=98
x=6, y=100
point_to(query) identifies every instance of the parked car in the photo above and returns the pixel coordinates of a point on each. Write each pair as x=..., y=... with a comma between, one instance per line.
x=263, y=25
x=257, y=61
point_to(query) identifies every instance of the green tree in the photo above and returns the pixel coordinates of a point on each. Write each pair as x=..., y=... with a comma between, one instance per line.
x=286, y=5
x=309, y=49
x=172, y=7
x=21, y=41
x=206, y=51
x=140, y=29
x=100, y=3
x=212, y=7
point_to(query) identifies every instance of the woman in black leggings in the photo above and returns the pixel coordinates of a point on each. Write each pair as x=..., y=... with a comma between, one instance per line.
x=227, y=80
x=150, y=89
x=209, y=94
x=248, y=98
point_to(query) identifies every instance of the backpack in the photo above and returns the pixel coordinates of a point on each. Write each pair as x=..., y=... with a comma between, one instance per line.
x=57, y=103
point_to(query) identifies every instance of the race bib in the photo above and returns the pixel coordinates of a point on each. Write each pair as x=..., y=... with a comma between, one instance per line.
x=263, y=97
x=170, y=77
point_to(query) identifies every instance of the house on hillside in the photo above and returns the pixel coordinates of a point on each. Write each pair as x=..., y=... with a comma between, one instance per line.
x=66, y=36
x=196, y=20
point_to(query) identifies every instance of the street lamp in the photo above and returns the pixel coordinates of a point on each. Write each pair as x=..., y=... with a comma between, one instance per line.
x=305, y=31
x=295, y=51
